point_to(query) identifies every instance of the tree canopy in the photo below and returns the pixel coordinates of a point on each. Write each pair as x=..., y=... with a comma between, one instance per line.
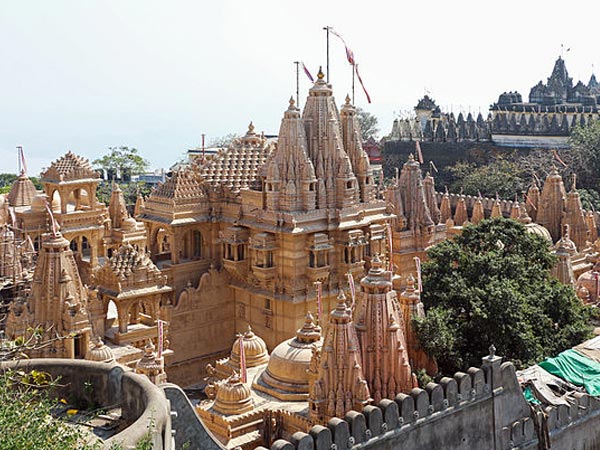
x=122, y=162
x=501, y=176
x=368, y=124
x=492, y=285
x=584, y=155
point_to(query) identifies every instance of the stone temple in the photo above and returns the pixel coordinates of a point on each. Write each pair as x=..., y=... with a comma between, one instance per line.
x=279, y=273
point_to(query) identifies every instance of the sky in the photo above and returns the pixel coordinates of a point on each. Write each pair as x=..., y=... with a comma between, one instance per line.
x=85, y=75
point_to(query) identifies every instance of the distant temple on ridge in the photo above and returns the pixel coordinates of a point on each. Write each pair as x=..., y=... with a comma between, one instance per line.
x=545, y=121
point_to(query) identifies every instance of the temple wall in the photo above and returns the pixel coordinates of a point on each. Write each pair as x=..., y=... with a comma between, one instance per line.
x=526, y=141
x=481, y=409
x=202, y=323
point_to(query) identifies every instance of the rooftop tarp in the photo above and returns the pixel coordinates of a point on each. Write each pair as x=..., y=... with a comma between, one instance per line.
x=575, y=368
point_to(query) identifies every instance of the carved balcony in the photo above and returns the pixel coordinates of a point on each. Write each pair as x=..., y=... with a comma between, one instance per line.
x=237, y=269
x=318, y=273
x=263, y=274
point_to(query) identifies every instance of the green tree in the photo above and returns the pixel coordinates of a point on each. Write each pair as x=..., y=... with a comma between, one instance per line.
x=368, y=124
x=223, y=141
x=584, y=155
x=124, y=160
x=501, y=176
x=492, y=285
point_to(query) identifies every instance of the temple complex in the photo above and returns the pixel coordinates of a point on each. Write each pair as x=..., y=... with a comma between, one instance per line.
x=239, y=270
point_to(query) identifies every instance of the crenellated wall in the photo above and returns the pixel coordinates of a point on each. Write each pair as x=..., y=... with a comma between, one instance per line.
x=483, y=408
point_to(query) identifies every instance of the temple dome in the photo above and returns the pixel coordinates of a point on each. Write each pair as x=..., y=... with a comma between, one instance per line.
x=100, y=352
x=286, y=376
x=255, y=350
x=22, y=191
x=233, y=397
x=148, y=362
x=534, y=228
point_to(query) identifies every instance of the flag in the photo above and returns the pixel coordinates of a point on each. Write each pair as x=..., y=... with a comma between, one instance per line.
x=318, y=285
x=11, y=211
x=419, y=152
x=54, y=230
x=418, y=265
x=390, y=245
x=243, y=371
x=361, y=83
x=22, y=158
x=558, y=158
x=528, y=200
x=352, y=288
x=30, y=243
x=349, y=52
x=160, y=337
x=310, y=77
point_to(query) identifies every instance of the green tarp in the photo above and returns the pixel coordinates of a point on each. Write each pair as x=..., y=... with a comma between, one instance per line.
x=575, y=368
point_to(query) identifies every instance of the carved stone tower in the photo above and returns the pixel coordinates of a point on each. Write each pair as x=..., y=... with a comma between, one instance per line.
x=381, y=335
x=551, y=205
x=339, y=385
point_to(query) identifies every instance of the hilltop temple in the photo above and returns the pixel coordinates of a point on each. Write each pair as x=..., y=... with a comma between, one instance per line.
x=288, y=239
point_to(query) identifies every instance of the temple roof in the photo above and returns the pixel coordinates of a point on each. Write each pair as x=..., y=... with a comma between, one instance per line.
x=22, y=191
x=130, y=269
x=239, y=165
x=426, y=103
x=69, y=167
x=182, y=185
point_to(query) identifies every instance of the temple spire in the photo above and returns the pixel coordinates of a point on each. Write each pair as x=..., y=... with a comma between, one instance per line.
x=339, y=385
x=383, y=345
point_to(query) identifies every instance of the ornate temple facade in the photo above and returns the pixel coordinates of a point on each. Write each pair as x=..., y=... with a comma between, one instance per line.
x=553, y=110
x=93, y=280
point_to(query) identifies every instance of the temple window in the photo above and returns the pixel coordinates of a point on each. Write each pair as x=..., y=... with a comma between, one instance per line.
x=349, y=184
x=196, y=243
x=263, y=246
x=354, y=247
x=318, y=250
x=268, y=304
x=235, y=240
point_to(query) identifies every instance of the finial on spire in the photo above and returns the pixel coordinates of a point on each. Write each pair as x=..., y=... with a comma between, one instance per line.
x=347, y=99
x=320, y=75
x=251, y=128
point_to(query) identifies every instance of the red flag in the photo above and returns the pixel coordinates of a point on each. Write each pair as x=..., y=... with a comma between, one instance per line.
x=528, y=200
x=243, y=370
x=419, y=282
x=22, y=157
x=349, y=52
x=160, y=337
x=558, y=158
x=319, y=301
x=352, y=288
x=310, y=77
x=391, y=247
x=361, y=83
x=11, y=211
x=54, y=230
x=419, y=153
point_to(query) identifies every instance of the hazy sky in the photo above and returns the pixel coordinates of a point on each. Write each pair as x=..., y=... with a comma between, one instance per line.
x=84, y=75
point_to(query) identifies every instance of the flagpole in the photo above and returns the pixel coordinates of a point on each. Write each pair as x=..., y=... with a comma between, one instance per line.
x=297, y=83
x=353, y=84
x=327, y=32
